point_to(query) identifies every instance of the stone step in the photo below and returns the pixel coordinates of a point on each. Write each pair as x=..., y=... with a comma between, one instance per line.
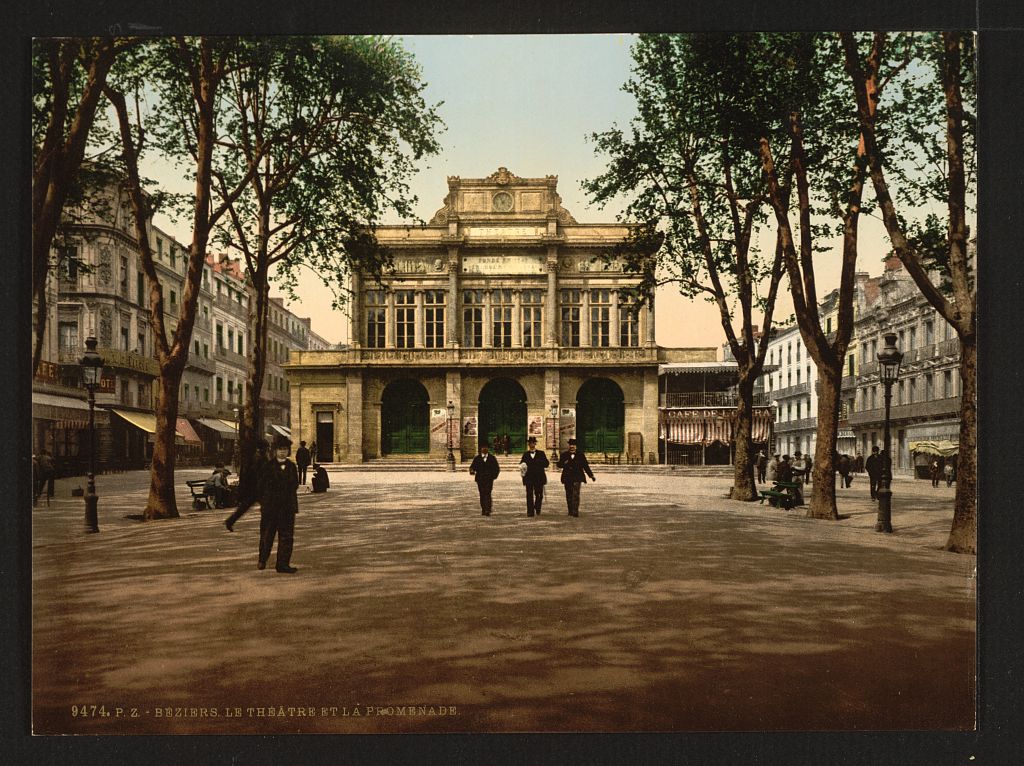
x=510, y=463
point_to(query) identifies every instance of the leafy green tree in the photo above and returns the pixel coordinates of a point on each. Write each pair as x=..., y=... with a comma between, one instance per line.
x=68, y=76
x=696, y=192
x=922, y=156
x=327, y=130
x=824, y=152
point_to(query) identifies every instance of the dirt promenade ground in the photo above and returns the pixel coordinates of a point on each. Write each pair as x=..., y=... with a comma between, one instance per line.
x=663, y=607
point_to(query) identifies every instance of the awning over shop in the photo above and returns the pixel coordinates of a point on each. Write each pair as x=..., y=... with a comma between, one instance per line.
x=64, y=411
x=145, y=421
x=222, y=427
x=185, y=429
x=703, y=426
x=943, y=448
x=283, y=430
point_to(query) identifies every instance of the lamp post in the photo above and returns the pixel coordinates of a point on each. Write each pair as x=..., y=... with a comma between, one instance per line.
x=554, y=429
x=92, y=368
x=451, y=455
x=889, y=359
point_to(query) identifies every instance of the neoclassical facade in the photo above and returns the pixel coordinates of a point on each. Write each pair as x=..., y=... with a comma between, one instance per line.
x=498, y=318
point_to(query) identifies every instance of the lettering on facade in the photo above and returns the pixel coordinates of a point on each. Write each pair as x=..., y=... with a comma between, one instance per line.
x=502, y=264
x=417, y=266
x=502, y=232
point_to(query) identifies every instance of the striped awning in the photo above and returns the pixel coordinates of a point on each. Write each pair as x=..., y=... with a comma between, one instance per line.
x=283, y=430
x=185, y=428
x=222, y=427
x=704, y=426
x=145, y=421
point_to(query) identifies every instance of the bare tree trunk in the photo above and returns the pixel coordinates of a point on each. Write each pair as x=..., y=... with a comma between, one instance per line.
x=252, y=421
x=743, y=486
x=823, y=494
x=963, y=537
x=161, y=503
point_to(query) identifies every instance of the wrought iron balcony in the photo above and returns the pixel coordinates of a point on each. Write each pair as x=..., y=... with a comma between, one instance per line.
x=803, y=424
x=949, y=407
x=797, y=390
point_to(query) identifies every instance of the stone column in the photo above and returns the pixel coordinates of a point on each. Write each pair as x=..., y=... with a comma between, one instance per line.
x=488, y=334
x=517, y=318
x=551, y=304
x=452, y=307
x=584, y=318
x=453, y=394
x=355, y=332
x=648, y=315
x=420, y=322
x=353, y=419
x=613, y=322
x=390, y=321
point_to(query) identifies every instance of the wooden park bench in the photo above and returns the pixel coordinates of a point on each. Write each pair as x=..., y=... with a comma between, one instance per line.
x=200, y=500
x=781, y=493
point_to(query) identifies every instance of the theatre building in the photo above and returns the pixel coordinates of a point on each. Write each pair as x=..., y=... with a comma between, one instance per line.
x=499, y=318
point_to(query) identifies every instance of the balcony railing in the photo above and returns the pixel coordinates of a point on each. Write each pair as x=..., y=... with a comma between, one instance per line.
x=788, y=391
x=114, y=358
x=796, y=425
x=231, y=306
x=496, y=357
x=935, y=408
x=227, y=355
x=708, y=399
x=198, y=362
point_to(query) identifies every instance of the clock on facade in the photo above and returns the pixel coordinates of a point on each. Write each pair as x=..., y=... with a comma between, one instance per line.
x=502, y=202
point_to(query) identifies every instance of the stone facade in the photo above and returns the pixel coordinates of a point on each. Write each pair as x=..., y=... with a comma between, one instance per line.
x=502, y=315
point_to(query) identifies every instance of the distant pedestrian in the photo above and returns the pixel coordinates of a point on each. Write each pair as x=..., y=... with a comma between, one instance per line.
x=485, y=470
x=948, y=472
x=531, y=467
x=808, y=465
x=312, y=452
x=280, y=502
x=45, y=471
x=858, y=463
x=935, y=472
x=302, y=461
x=797, y=468
x=249, y=487
x=772, y=473
x=844, y=466
x=575, y=470
x=762, y=466
x=506, y=442
x=873, y=465
x=320, y=482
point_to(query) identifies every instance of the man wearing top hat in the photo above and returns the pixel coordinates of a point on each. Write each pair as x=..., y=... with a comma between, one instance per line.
x=486, y=469
x=575, y=470
x=531, y=466
x=280, y=503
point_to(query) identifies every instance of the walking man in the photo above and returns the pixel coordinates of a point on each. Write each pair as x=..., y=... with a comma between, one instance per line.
x=762, y=466
x=302, y=461
x=280, y=503
x=873, y=465
x=935, y=472
x=532, y=466
x=486, y=469
x=948, y=471
x=575, y=470
x=249, y=487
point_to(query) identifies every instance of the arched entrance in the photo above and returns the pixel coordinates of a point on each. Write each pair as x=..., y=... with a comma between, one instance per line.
x=503, y=411
x=405, y=418
x=600, y=416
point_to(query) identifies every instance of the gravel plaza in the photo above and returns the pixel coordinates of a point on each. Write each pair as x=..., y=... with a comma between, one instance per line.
x=663, y=607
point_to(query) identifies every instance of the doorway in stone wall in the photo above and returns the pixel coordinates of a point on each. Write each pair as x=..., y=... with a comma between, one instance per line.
x=503, y=413
x=405, y=418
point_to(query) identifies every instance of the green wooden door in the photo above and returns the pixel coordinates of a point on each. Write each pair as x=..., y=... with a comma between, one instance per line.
x=405, y=419
x=503, y=411
x=600, y=417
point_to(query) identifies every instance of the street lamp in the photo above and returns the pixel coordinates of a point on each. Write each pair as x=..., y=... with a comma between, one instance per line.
x=889, y=359
x=92, y=369
x=451, y=455
x=554, y=429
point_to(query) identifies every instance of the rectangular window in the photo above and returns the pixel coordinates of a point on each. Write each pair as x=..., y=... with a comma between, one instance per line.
x=849, y=364
x=798, y=376
x=473, y=319
x=219, y=384
x=141, y=340
x=220, y=336
x=532, y=305
x=231, y=389
x=929, y=332
x=376, y=319
x=433, y=316
x=405, y=319
x=159, y=248
x=140, y=287
x=125, y=334
x=206, y=395
x=231, y=339
x=174, y=299
x=67, y=334
x=184, y=392
x=913, y=391
x=240, y=350
x=828, y=326
x=629, y=325
x=913, y=337
x=69, y=265
x=789, y=411
x=206, y=351
x=174, y=255
x=798, y=352
x=124, y=276
x=901, y=392
x=929, y=387
x=569, y=302
x=501, y=318
x=600, y=318
x=947, y=384
x=197, y=347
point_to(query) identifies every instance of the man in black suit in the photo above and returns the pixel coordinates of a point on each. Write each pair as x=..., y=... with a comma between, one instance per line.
x=532, y=466
x=873, y=465
x=486, y=469
x=575, y=470
x=302, y=461
x=280, y=503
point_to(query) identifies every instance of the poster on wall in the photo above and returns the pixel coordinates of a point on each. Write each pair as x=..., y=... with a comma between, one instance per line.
x=536, y=426
x=438, y=420
x=469, y=426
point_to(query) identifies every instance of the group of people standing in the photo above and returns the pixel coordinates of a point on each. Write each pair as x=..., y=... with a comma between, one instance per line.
x=533, y=471
x=798, y=469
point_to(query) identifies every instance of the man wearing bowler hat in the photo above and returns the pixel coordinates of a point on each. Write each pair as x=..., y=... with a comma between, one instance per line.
x=531, y=466
x=575, y=470
x=280, y=502
x=486, y=469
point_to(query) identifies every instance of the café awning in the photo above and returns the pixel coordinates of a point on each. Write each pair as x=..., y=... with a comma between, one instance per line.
x=222, y=427
x=707, y=425
x=145, y=421
x=186, y=430
x=943, y=448
x=283, y=430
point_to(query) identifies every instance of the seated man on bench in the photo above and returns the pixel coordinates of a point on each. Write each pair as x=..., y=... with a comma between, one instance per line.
x=320, y=481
